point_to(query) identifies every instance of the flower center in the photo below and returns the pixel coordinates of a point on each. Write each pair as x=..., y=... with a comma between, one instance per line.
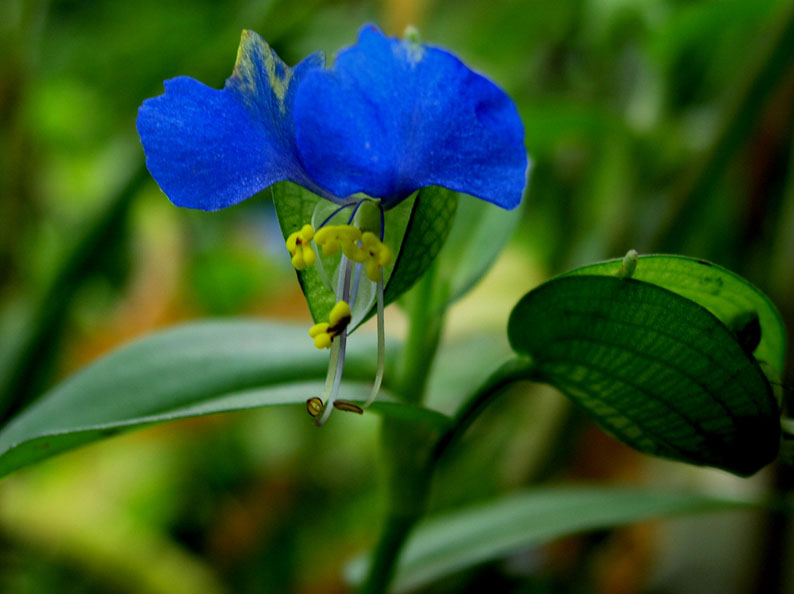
x=360, y=242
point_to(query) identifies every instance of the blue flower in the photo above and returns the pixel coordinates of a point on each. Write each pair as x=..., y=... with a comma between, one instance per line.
x=390, y=117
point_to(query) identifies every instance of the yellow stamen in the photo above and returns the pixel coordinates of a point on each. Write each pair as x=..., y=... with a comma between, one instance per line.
x=299, y=246
x=340, y=314
x=377, y=255
x=324, y=332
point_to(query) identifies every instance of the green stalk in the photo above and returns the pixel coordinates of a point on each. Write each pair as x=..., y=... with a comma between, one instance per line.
x=413, y=458
x=407, y=448
x=424, y=333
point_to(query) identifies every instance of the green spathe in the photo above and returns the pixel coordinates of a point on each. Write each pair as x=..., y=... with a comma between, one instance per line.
x=658, y=371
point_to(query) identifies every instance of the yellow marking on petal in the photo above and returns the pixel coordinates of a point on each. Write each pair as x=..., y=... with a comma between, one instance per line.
x=246, y=67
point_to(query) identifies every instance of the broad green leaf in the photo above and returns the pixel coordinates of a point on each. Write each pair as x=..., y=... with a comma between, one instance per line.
x=725, y=294
x=488, y=531
x=415, y=230
x=195, y=369
x=656, y=370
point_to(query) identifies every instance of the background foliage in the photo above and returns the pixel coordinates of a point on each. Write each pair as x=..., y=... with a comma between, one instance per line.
x=659, y=125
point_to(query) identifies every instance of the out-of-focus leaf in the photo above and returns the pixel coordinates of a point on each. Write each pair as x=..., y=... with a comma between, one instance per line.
x=656, y=370
x=479, y=234
x=24, y=364
x=195, y=369
x=725, y=294
x=487, y=531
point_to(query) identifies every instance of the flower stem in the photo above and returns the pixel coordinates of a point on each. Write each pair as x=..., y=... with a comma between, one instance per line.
x=413, y=461
x=424, y=333
x=407, y=449
x=393, y=536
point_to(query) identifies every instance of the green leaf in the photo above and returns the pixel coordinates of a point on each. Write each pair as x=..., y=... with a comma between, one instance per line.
x=656, y=370
x=195, y=369
x=432, y=216
x=479, y=234
x=415, y=230
x=487, y=531
x=29, y=350
x=725, y=294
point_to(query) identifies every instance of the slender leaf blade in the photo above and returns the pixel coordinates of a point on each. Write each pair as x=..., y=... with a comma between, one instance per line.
x=195, y=369
x=654, y=369
x=487, y=531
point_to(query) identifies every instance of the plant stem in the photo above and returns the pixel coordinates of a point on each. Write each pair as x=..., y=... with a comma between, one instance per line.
x=413, y=458
x=511, y=372
x=424, y=332
x=407, y=449
x=392, y=539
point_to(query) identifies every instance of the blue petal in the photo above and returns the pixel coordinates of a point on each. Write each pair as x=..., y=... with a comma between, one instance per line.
x=209, y=149
x=393, y=116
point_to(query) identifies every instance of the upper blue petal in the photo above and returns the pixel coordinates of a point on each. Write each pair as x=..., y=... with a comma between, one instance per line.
x=209, y=149
x=393, y=116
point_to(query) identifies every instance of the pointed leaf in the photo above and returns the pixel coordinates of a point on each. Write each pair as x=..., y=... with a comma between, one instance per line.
x=656, y=370
x=191, y=370
x=488, y=531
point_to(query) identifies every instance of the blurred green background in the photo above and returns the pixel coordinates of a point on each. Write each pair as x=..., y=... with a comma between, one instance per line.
x=659, y=125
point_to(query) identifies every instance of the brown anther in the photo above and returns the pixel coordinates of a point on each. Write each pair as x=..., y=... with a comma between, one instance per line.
x=347, y=406
x=314, y=406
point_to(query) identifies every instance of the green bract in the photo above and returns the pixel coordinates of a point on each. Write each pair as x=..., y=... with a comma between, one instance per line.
x=655, y=369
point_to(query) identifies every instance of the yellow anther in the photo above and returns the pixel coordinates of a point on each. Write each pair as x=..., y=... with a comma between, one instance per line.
x=324, y=332
x=318, y=329
x=322, y=236
x=340, y=314
x=374, y=272
x=363, y=248
x=377, y=255
x=385, y=256
x=299, y=246
x=333, y=237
